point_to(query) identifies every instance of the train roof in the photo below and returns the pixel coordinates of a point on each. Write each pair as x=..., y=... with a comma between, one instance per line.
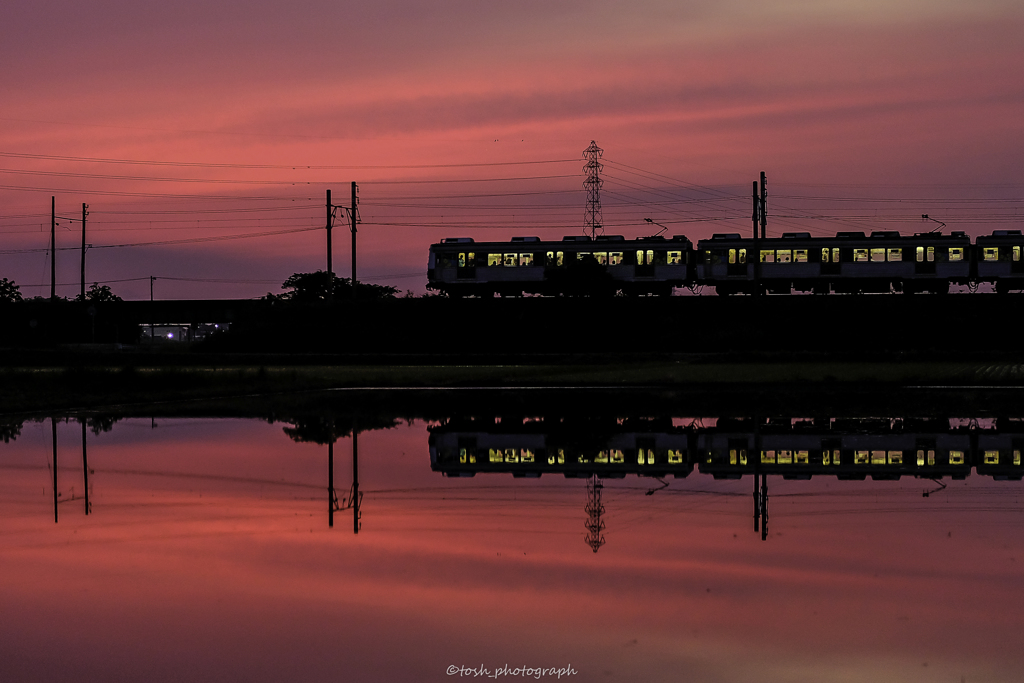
x=578, y=239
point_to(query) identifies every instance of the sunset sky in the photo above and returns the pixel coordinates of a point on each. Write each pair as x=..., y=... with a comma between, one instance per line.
x=469, y=119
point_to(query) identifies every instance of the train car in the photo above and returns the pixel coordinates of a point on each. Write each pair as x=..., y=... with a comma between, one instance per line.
x=460, y=266
x=845, y=449
x=999, y=260
x=529, y=449
x=850, y=262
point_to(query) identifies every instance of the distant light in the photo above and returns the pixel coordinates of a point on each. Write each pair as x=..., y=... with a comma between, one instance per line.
x=170, y=335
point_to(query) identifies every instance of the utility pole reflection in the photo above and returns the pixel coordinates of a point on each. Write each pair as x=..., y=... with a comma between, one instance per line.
x=85, y=466
x=53, y=427
x=355, y=496
x=594, y=509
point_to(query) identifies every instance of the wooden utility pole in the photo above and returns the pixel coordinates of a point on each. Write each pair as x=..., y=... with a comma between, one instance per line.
x=755, y=258
x=330, y=265
x=353, y=220
x=53, y=248
x=84, y=214
x=764, y=205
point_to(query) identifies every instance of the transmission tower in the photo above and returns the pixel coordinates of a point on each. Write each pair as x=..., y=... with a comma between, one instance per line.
x=594, y=523
x=592, y=221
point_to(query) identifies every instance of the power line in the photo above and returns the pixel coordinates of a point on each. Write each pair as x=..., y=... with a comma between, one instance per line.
x=294, y=167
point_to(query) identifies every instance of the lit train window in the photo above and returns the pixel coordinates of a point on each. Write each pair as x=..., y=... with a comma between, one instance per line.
x=830, y=456
x=860, y=254
x=602, y=257
x=767, y=256
x=920, y=454
x=956, y=457
x=555, y=258
x=675, y=457
x=895, y=457
x=768, y=456
x=824, y=254
x=511, y=259
x=991, y=253
x=784, y=256
x=895, y=254
x=920, y=254
x=785, y=457
x=956, y=253
x=580, y=255
x=802, y=457
x=860, y=457
x=877, y=254
x=464, y=260
x=526, y=259
x=991, y=457
x=526, y=455
x=614, y=258
x=494, y=259
x=1016, y=253
x=800, y=255
x=644, y=258
x=1016, y=457
x=835, y=254
x=676, y=257
x=495, y=455
x=732, y=256
x=931, y=254
x=877, y=457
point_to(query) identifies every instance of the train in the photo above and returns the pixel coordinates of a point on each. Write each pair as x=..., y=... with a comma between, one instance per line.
x=849, y=263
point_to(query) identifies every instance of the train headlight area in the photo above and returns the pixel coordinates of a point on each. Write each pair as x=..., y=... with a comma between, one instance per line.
x=796, y=262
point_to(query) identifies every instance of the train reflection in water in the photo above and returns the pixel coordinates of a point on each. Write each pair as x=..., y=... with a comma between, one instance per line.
x=794, y=448
x=728, y=448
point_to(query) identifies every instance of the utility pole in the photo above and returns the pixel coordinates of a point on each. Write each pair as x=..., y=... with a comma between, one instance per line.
x=53, y=248
x=764, y=205
x=594, y=510
x=756, y=256
x=330, y=250
x=592, y=218
x=85, y=213
x=353, y=219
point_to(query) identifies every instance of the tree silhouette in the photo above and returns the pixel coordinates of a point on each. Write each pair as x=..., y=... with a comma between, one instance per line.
x=9, y=291
x=98, y=292
x=309, y=287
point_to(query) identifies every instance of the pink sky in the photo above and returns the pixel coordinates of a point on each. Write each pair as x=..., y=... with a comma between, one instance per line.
x=918, y=101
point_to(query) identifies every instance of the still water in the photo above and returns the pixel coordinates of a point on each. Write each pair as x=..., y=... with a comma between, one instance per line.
x=613, y=549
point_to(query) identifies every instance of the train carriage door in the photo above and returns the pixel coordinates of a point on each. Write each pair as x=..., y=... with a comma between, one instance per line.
x=737, y=262
x=644, y=263
x=924, y=260
x=830, y=261
x=1016, y=258
x=466, y=266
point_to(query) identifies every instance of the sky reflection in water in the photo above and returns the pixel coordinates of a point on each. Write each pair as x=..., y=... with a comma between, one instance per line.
x=208, y=556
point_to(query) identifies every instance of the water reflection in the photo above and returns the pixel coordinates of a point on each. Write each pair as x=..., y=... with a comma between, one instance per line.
x=847, y=448
x=210, y=533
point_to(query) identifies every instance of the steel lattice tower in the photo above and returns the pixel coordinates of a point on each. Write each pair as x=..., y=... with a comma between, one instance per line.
x=594, y=523
x=592, y=221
